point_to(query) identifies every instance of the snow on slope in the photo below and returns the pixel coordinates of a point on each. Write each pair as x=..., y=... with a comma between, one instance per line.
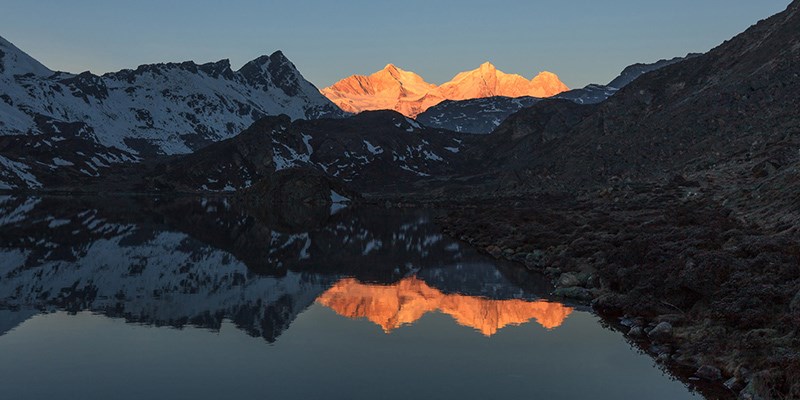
x=169, y=108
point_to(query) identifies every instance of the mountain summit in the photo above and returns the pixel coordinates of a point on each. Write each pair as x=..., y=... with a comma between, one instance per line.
x=408, y=93
x=166, y=108
x=488, y=81
x=388, y=89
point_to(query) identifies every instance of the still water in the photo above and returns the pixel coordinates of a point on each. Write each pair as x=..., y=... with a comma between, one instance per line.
x=193, y=298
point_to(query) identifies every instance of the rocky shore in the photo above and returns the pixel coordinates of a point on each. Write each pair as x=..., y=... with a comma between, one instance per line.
x=713, y=298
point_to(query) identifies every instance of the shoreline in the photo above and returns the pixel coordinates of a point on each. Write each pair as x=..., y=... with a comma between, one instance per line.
x=681, y=278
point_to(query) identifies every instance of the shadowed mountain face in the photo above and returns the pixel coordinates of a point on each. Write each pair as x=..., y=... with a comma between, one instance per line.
x=370, y=151
x=201, y=261
x=483, y=115
x=720, y=114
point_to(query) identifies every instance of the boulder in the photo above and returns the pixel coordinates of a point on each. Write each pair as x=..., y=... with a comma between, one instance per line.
x=709, y=373
x=636, y=332
x=661, y=332
x=535, y=259
x=568, y=280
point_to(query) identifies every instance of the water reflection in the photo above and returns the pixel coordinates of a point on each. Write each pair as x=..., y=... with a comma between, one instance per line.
x=84, y=281
x=405, y=302
x=201, y=261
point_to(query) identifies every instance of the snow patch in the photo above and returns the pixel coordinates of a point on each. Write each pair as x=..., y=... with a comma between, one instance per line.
x=337, y=198
x=373, y=149
x=61, y=162
x=22, y=171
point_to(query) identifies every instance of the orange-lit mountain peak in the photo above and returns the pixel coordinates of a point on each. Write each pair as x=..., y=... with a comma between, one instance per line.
x=405, y=302
x=487, y=66
x=549, y=82
x=393, y=88
x=391, y=68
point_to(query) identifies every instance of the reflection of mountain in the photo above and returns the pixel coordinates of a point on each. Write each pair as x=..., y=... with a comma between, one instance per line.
x=407, y=301
x=163, y=279
x=11, y=319
x=201, y=261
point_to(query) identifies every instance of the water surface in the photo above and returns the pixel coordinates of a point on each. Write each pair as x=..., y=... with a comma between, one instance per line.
x=193, y=298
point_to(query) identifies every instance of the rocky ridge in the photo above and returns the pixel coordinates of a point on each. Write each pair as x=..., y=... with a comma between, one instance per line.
x=484, y=115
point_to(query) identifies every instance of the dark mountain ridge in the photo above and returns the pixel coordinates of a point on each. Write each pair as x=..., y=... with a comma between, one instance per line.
x=482, y=116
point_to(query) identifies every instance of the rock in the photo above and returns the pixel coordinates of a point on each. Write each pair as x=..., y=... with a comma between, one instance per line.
x=577, y=293
x=743, y=374
x=535, y=259
x=661, y=332
x=552, y=271
x=663, y=358
x=636, y=332
x=794, y=306
x=764, y=169
x=568, y=280
x=733, y=384
x=584, y=278
x=659, y=349
x=760, y=337
x=709, y=373
x=494, y=251
x=671, y=318
x=750, y=393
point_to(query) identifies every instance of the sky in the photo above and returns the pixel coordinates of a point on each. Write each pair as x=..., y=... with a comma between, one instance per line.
x=583, y=41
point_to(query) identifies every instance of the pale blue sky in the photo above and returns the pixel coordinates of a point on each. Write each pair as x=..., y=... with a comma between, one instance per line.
x=583, y=41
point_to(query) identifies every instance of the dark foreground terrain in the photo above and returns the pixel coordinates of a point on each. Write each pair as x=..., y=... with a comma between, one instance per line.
x=705, y=293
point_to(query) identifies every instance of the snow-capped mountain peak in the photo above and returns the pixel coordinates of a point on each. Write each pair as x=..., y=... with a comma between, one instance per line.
x=14, y=61
x=166, y=108
x=408, y=93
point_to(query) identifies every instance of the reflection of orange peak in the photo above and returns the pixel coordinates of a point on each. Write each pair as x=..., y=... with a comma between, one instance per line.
x=408, y=300
x=406, y=92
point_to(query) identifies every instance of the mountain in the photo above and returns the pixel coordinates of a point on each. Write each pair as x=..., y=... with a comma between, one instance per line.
x=406, y=92
x=727, y=110
x=483, y=114
x=376, y=149
x=488, y=81
x=634, y=71
x=372, y=151
x=476, y=116
x=680, y=192
x=171, y=108
x=388, y=89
